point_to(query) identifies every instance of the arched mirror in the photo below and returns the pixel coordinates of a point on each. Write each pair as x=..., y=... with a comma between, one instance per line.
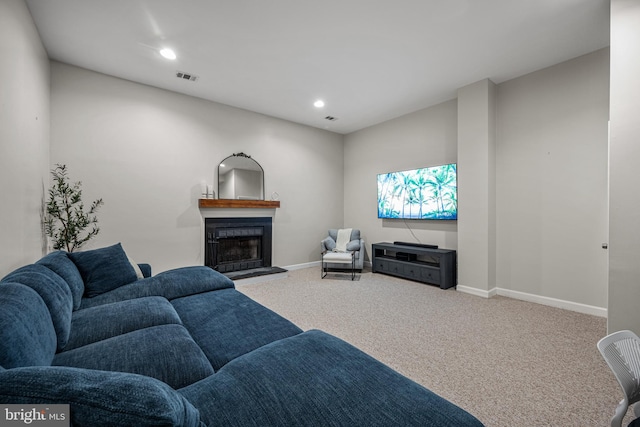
x=240, y=177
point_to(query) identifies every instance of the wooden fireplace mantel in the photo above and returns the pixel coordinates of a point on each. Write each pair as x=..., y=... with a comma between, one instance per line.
x=234, y=203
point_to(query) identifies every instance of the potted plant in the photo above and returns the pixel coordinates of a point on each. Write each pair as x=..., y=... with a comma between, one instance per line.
x=66, y=219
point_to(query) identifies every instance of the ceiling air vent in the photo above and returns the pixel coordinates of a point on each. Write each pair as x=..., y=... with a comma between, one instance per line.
x=186, y=76
x=331, y=118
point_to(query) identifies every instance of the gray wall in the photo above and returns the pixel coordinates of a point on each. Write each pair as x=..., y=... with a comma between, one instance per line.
x=145, y=151
x=424, y=138
x=551, y=174
x=550, y=188
x=624, y=275
x=24, y=136
x=476, y=187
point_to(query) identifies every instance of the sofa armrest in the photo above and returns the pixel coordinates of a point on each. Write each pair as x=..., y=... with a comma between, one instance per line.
x=146, y=269
x=99, y=398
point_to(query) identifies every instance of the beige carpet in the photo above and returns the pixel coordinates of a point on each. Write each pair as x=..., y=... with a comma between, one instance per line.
x=508, y=362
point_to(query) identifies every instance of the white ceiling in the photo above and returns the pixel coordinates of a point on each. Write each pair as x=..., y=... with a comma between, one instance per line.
x=369, y=60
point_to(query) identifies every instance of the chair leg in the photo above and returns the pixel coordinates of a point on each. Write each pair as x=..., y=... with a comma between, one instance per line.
x=324, y=267
x=353, y=267
x=621, y=411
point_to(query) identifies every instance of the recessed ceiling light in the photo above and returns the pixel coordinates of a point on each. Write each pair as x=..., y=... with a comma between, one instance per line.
x=168, y=53
x=319, y=103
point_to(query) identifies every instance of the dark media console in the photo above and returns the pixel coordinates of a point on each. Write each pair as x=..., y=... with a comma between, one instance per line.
x=422, y=263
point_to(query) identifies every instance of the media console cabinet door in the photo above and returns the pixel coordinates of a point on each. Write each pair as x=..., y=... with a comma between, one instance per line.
x=409, y=262
x=430, y=275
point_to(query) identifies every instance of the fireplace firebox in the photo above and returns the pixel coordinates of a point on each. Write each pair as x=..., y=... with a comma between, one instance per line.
x=237, y=244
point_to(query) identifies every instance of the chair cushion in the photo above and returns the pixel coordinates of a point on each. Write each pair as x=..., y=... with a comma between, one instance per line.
x=103, y=269
x=97, y=398
x=27, y=336
x=60, y=263
x=338, y=257
x=55, y=293
x=109, y=320
x=165, y=352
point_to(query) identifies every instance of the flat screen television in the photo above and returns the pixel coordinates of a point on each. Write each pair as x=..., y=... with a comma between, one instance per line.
x=426, y=193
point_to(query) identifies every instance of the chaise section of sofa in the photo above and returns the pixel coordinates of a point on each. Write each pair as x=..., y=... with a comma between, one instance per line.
x=314, y=379
x=185, y=348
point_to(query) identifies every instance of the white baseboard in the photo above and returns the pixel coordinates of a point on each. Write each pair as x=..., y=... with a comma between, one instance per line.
x=477, y=292
x=538, y=299
x=301, y=266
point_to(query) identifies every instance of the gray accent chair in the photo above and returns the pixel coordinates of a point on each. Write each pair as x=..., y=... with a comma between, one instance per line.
x=355, y=244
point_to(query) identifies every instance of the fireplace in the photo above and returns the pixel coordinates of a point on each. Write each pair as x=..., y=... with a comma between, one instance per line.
x=237, y=244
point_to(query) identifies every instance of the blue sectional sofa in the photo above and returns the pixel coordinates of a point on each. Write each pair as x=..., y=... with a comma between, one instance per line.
x=96, y=331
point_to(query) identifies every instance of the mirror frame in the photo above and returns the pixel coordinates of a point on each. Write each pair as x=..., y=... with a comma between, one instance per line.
x=244, y=156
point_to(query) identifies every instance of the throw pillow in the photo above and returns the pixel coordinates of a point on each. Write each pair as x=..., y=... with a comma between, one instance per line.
x=353, y=245
x=104, y=269
x=99, y=398
x=329, y=243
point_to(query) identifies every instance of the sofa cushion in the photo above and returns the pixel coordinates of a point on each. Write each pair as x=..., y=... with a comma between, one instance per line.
x=99, y=398
x=27, y=336
x=105, y=321
x=165, y=352
x=314, y=377
x=55, y=293
x=60, y=263
x=170, y=284
x=103, y=269
x=227, y=324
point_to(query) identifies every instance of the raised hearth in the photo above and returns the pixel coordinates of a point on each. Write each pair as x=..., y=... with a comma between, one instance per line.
x=255, y=272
